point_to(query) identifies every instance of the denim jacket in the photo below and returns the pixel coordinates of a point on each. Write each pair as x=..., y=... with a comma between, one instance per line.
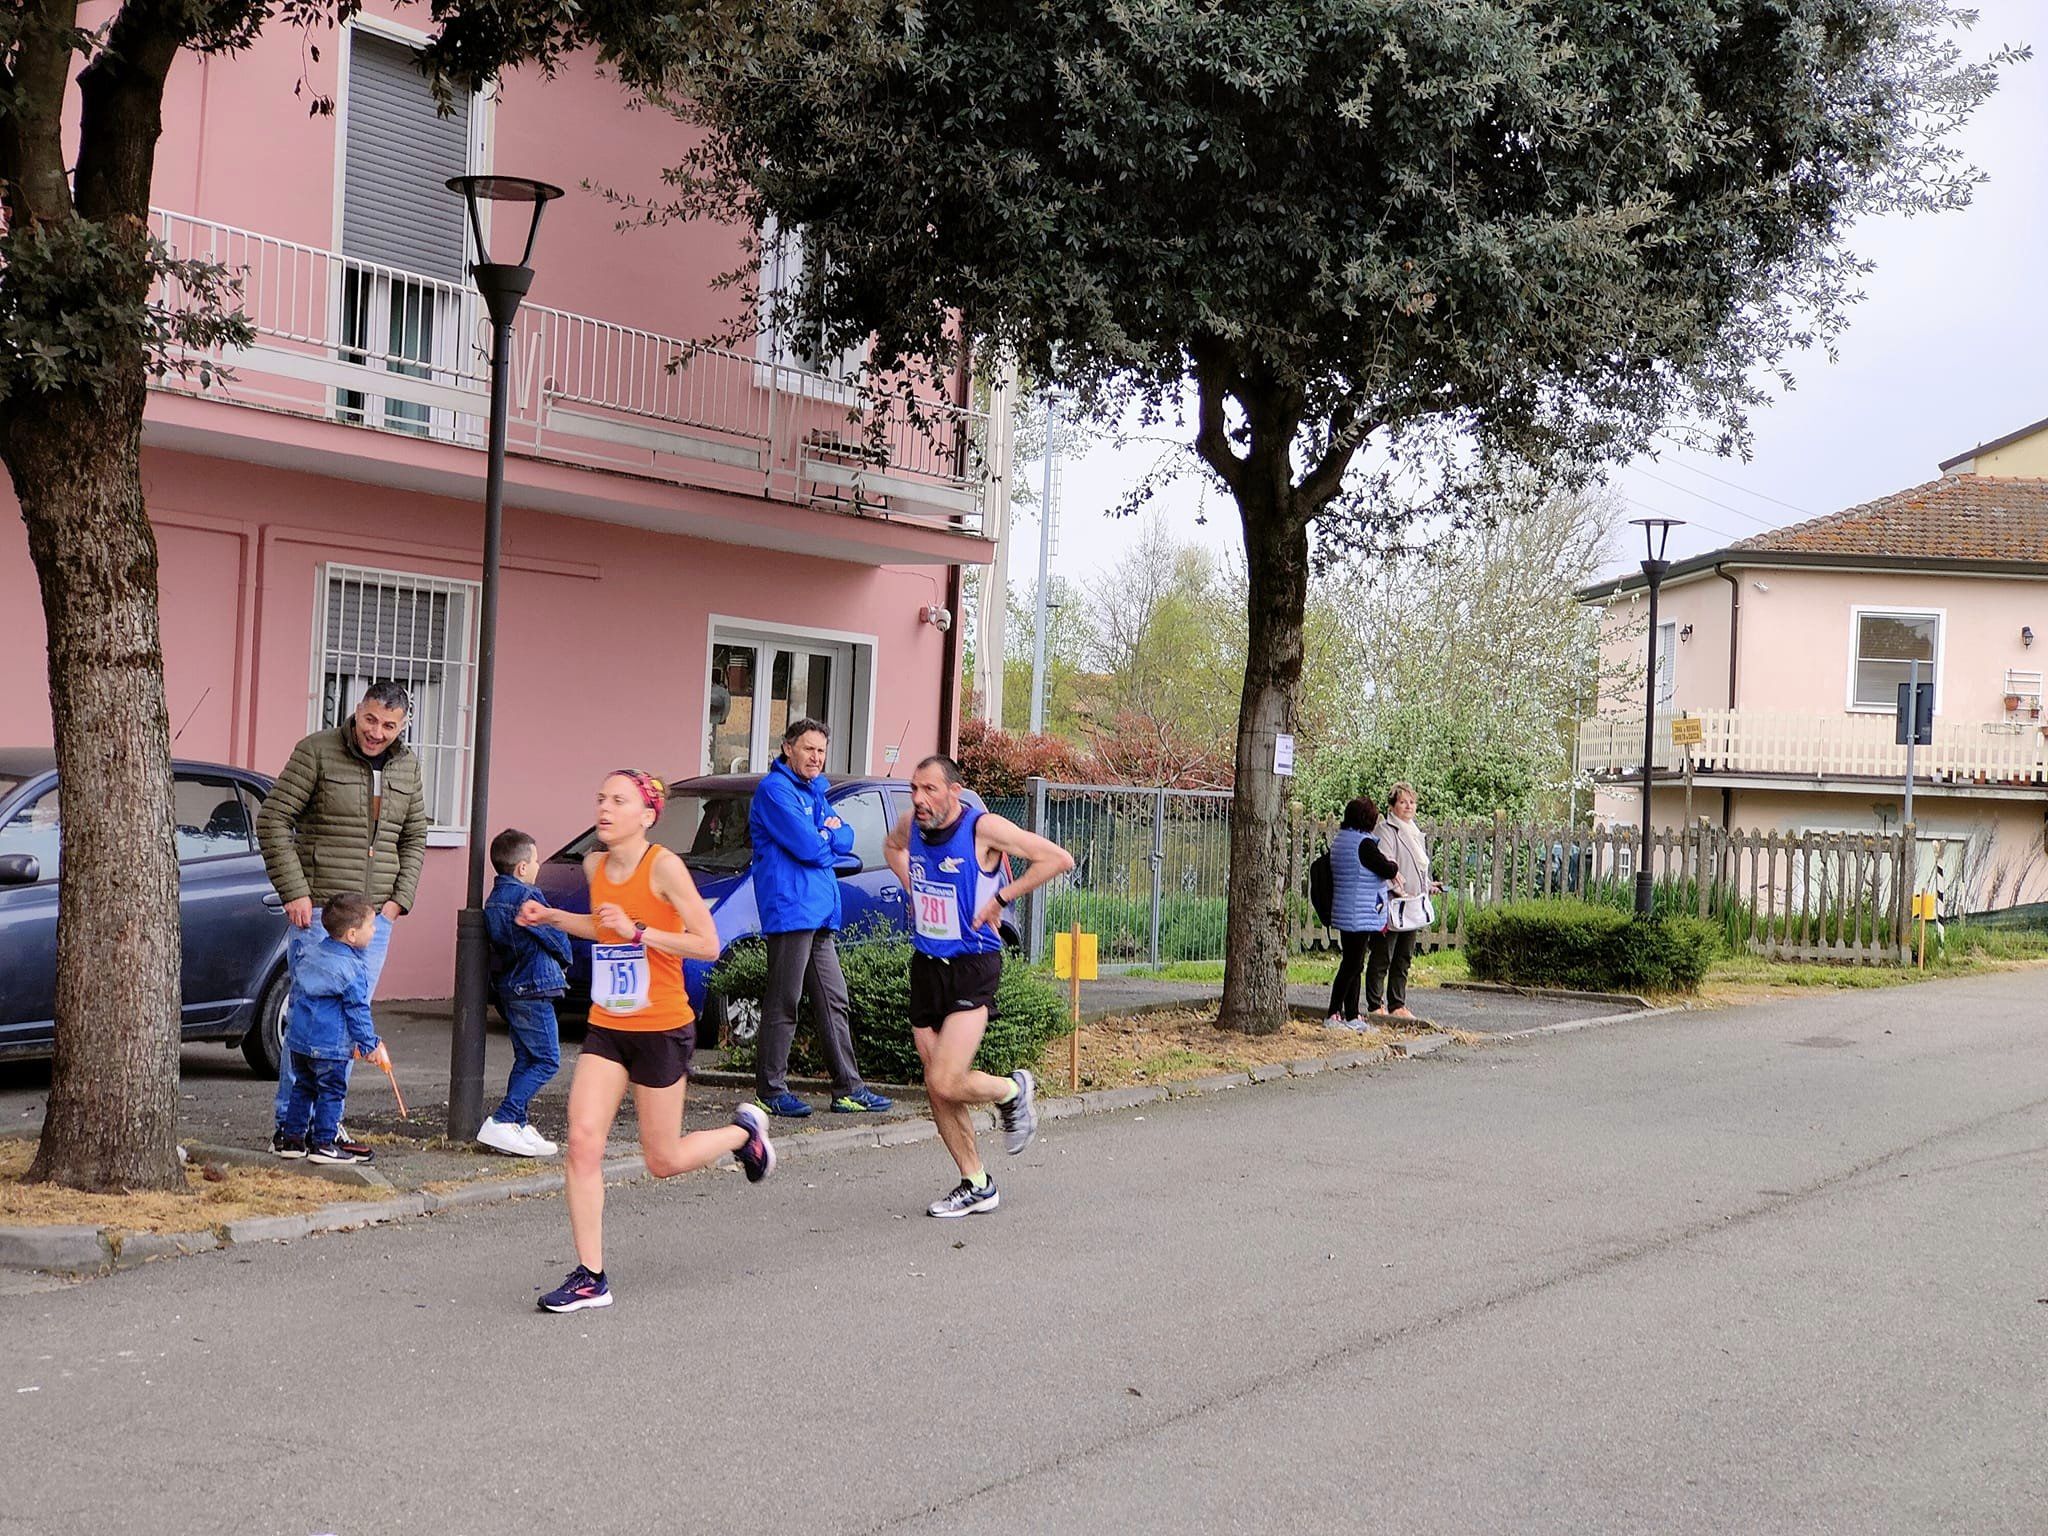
x=525, y=962
x=330, y=1010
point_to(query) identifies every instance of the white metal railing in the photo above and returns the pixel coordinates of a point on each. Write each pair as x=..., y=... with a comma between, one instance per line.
x=374, y=346
x=1823, y=746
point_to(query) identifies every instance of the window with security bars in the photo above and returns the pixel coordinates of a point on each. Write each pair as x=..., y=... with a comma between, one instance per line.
x=418, y=631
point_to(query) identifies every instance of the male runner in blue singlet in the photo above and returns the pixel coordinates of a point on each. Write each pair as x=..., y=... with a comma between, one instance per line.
x=952, y=865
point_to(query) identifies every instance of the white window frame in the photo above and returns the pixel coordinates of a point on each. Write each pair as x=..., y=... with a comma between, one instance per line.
x=1857, y=612
x=458, y=337
x=771, y=346
x=454, y=717
x=1667, y=663
x=852, y=716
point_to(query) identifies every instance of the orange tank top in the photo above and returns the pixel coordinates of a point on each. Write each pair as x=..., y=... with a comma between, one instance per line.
x=634, y=986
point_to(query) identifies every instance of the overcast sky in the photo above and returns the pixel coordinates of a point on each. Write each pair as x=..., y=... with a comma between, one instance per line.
x=1948, y=350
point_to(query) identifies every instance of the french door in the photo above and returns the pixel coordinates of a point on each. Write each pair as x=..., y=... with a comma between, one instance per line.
x=759, y=685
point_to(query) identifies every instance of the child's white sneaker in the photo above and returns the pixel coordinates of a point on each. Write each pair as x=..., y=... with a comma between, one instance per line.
x=509, y=1139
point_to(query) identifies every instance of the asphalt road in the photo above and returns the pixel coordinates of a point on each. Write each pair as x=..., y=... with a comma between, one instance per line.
x=1768, y=1270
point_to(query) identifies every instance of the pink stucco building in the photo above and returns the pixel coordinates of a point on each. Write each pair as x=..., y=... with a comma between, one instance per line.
x=699, y=542
x=1789, y=649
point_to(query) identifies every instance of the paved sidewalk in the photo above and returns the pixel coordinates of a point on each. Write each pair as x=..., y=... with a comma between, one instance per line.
x=1447, y=1007
x=223, y=1103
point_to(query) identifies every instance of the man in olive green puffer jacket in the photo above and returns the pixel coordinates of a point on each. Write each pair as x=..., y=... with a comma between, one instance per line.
x=348, y=813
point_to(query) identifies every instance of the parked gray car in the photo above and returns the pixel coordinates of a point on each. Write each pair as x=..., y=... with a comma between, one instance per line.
x=235, y=986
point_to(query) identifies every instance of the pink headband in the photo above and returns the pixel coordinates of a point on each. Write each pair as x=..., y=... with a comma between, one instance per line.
x=652, y=790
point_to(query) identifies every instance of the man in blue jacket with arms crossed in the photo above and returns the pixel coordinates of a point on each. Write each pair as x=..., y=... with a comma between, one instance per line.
x=798, y=843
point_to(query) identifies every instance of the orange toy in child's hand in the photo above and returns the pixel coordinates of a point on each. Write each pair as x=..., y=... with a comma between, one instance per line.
x=382, y=1056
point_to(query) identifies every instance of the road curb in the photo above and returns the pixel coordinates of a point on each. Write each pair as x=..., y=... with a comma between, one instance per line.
x=1568, y=1026
x=1559, y=994
x=82, y=1251
x=718, y=1077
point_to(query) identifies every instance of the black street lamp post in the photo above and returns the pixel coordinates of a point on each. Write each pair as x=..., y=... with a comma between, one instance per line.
x=1656, y=532
x=503, y=285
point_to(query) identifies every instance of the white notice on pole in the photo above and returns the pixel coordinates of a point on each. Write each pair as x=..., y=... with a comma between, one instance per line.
x=1283, y=756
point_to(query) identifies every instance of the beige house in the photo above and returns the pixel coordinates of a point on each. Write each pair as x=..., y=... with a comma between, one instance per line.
x=1789, y=649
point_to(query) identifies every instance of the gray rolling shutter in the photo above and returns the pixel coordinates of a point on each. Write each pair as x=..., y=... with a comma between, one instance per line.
x=396, y=209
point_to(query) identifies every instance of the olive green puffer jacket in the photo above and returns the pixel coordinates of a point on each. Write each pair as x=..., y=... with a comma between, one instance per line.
x=315, y=826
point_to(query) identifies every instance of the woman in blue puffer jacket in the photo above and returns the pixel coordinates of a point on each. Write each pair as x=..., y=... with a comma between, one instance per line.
x=1361, y=876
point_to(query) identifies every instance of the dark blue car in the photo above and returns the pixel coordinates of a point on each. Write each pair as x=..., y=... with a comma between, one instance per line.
x=706, y=823
x=233, y=923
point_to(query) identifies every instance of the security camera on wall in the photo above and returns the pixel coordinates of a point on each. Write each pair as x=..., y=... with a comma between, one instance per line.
x=940, y=619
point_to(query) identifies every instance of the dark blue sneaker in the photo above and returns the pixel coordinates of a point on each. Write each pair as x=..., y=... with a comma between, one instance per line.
x=582, y=1289
x=785, y=1104
x=863, y=1101
x=757, y=1154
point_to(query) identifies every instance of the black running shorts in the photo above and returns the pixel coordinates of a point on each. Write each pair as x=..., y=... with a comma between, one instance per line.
x=653, y=1058
x=939, y=988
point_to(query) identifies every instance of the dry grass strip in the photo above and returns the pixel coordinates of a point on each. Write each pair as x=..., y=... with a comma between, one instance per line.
x=213, y=1195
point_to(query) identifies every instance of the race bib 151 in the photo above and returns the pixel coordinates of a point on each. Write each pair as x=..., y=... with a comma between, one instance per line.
x=618, y=977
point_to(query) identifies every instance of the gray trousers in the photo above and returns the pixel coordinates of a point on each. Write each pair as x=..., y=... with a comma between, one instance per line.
x=798, y=962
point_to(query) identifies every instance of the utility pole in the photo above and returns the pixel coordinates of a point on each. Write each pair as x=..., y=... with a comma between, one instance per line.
x=1047, y=511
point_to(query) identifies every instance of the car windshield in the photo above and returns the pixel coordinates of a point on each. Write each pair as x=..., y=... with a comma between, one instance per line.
x=8, y=785
x=708, y=830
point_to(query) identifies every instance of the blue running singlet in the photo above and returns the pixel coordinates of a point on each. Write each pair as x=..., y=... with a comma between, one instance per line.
x=947, y=887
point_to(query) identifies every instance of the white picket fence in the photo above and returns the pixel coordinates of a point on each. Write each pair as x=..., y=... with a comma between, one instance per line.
x=1838, y=896
x=1808, y=746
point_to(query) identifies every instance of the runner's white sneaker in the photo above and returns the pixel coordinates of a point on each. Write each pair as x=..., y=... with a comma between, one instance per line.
x=1020, y=1115
x=537, y=1144
x=965, y=1200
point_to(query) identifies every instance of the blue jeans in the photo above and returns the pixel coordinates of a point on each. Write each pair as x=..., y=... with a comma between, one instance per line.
x=296, y=943
x=536, y=1053
x=319, y=1088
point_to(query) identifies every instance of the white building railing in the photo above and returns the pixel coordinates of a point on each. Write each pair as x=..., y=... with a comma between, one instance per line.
x=394, y=351
x=1990, y=753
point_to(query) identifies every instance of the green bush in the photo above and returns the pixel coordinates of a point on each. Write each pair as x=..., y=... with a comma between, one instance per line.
x=1029, y=1013
x=1566, y=943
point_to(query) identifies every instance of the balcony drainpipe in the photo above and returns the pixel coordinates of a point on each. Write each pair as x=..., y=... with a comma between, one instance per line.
x=1734, y=649
x=949, y=642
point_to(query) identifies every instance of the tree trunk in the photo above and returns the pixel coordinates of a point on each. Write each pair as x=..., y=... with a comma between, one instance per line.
x=76, y=465
x=1255, y=954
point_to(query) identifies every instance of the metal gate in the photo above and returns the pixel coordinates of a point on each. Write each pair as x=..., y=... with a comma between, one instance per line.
x=1151, y=870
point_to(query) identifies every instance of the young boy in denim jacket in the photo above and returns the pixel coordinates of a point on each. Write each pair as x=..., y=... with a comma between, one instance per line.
x=527, y=975
x=328, y=1023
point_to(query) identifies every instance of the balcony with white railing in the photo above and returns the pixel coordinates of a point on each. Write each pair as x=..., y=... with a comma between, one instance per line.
x=1993, y=755
x=396, y=352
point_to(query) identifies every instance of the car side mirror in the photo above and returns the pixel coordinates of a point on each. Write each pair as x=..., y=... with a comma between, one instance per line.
x=847, y=864
x=19, y=869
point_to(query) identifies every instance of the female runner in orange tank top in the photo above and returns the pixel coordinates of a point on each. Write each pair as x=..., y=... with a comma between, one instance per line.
x=645, y=919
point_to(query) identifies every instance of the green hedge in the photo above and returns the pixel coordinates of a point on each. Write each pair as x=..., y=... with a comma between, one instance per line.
x=1568, y=943
x=1190, y=927
x=1029, y=1013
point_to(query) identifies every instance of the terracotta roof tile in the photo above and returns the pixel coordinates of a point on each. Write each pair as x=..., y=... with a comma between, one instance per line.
x=1958, y=517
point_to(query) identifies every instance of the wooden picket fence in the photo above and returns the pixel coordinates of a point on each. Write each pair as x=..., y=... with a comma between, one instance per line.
x=1839, y=896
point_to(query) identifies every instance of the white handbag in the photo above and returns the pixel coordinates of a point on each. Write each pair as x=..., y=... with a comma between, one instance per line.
x=1407, y=914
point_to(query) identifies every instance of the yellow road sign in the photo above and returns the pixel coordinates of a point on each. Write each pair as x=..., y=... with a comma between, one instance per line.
x=1063, y=956
x=1687, y=732
x=1923, y=905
